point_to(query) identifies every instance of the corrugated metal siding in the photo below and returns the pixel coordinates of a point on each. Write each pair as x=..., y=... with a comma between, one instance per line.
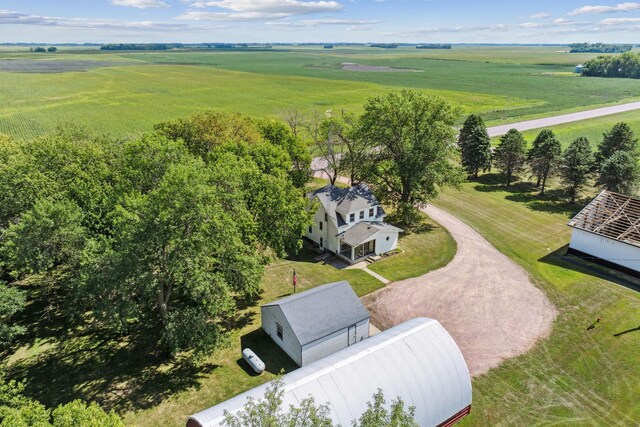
x=289, y=343
x=332, y=343
x=417, y=361
x=609, y=250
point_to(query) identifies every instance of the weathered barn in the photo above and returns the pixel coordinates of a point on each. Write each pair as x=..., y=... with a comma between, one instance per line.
x=417, y=361
x=313, y=324
x=607, y=231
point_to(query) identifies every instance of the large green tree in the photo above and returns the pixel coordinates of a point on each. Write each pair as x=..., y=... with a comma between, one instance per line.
x=619, y=138
x=281, y=135
x=619, y=173
x=411, y=149
x=543, y=157
x=510, y=155
x=12, y=301
x=475, y=146
x=576, y=166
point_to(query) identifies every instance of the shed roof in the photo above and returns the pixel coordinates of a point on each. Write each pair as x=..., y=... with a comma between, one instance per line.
x=611, y=215
x=364, y=231
x=417, y=361
x=321, y=311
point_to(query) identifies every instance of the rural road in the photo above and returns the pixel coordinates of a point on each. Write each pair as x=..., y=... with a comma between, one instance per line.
x=484, y=299
x=564, y=118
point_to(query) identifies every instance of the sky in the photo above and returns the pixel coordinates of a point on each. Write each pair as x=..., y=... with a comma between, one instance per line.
x=410, y=21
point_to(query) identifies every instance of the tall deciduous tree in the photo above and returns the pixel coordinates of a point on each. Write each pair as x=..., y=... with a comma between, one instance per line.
x=475, y=146
x=323, y=134
x=543, y=157
x=411, y=146
x=619, y=138
x=619, y=173
x=280, y=135
x=12, y=300
x=576, y=165
x=510, y=154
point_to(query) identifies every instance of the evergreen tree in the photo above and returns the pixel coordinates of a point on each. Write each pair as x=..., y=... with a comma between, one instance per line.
x=475, y=145
x=576, y=166
x=619, y=173
x=619, y=138
x=510, y=155
x=543, y=156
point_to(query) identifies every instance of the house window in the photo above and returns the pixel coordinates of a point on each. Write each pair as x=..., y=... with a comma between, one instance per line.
x=352, y=217
x=320, y=225
x=326, y=217
x=310, y=229
x=321, y=242
x=279, y=331
x=361, y=214
x=370, y=212
x=387, y=238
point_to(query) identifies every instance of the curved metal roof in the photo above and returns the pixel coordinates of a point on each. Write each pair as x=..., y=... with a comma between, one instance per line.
x=417, y=361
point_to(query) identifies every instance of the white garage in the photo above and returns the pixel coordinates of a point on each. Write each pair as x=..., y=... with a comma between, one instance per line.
x=607, y=232
x=417, y=361
x=316, y=323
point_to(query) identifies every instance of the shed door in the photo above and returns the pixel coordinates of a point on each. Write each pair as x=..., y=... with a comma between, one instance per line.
x=352, y=335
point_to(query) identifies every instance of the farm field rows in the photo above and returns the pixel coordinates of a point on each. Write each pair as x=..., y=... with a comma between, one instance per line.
x=118, y=98
x=575, y=376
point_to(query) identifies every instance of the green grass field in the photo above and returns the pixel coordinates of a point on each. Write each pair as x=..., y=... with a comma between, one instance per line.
x=127, y=92
x=575, y=377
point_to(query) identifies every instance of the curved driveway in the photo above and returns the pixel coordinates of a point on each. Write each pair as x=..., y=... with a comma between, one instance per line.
x=485, y=300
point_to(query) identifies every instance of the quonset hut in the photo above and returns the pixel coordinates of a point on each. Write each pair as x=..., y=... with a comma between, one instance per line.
x=607, y=232
x=417, y=361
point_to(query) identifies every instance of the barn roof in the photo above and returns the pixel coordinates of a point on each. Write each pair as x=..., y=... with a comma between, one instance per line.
x=321, y=311
x=417, y=361
x=611, y=215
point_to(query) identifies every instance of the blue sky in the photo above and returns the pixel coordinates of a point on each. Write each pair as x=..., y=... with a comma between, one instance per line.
x=454, y=21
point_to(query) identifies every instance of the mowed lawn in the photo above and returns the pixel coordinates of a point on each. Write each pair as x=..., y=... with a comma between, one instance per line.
x=424, y=248
x=576, y=376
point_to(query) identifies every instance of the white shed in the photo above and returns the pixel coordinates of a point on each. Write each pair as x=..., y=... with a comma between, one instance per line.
x=607, y=232
x=417, y=361
x=313, y=324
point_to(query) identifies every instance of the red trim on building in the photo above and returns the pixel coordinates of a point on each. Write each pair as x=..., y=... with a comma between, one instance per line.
x=457, y=417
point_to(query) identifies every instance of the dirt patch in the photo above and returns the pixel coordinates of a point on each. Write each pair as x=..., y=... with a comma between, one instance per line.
x=55, y=65
x=485, y=300
x=350, y=66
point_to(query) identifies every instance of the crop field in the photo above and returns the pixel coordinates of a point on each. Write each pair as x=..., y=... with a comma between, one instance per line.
x=576, y=376
x=128, y=92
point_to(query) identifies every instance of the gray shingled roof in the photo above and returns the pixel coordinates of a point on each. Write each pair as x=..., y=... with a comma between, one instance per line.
x=363, y=231
x=321, y=311
x=345, y=200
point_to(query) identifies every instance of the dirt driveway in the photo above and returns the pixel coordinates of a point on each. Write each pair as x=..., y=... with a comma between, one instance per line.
x=485, y=300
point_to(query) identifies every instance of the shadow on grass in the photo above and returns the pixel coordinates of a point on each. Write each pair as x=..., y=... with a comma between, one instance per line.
x=559, y=258
x=124, y=373
x=275, y=359
x=627, y=331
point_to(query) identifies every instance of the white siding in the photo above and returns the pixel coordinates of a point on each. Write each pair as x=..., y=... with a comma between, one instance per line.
x=289, y=343
x=383, y=245
x=333, y=343
x=328, y=233
x=609, y=250
x=417, y=361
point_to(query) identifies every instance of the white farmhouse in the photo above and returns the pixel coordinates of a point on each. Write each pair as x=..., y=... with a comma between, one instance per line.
x=313, y=324
x=350, y=223
x=607, y=232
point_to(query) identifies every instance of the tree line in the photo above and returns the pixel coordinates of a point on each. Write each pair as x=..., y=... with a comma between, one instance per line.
x=599, y=48
x=614, y=166
x=626, y=66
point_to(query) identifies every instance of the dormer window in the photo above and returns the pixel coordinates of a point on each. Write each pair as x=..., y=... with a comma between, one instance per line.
x=361, y=214
x=371, y=212
x=352, y=217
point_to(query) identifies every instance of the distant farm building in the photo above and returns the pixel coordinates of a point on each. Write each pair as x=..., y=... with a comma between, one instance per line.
x=579, y=69
x=607, y=232
x=316, y=323
x=417, y=361
x=350, y=223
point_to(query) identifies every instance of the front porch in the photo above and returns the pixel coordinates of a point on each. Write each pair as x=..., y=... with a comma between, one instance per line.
x=354, y=254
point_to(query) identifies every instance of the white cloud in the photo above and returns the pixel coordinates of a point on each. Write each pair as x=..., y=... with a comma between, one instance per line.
x=352, y=23
x=140, y=4
x=541, y=15
x=620, y=7
x=17, y=18
x=619, y=21
x=248, y=10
